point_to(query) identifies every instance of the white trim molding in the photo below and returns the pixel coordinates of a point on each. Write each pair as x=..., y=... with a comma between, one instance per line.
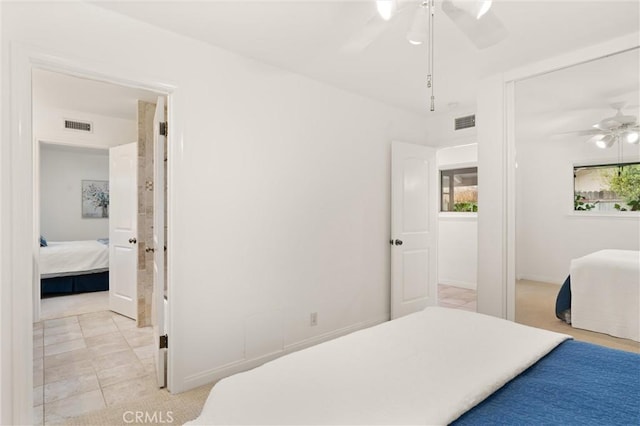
x=19, y=224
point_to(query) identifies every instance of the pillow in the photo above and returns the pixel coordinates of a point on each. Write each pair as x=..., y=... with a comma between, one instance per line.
x=43, y=242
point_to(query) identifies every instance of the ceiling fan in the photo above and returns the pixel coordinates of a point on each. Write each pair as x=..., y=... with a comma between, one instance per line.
x=617, y=128
x=473, y=17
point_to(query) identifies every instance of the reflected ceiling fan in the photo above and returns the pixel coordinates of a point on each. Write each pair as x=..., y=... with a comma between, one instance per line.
x=618, y=128
x=473, y=17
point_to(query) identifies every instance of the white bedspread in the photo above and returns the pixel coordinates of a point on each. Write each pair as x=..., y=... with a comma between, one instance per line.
x=426, y=368
x=62, y=258
x=605, y=293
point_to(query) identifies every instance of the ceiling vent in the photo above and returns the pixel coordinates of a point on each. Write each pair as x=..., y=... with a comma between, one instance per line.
x=80, y=126
x=465, y=122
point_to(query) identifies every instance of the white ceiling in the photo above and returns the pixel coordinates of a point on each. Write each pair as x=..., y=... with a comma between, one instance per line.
x=306, y=37
x=61, y=91
x=577, y=97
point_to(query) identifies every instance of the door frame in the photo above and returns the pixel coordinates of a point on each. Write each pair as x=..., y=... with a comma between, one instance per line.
x=498, y=280
x=20, y=242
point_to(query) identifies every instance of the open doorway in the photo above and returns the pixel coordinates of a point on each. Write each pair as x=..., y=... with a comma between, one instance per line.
x=458, y=226
x=89, y=352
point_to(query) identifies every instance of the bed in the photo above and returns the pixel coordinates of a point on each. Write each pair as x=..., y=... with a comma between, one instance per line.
x=436, y=366
x=74, y=267
x=602, y=293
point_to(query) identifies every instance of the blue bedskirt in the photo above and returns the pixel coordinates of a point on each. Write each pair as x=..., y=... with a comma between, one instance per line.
x=576, y=384
x=75, y=284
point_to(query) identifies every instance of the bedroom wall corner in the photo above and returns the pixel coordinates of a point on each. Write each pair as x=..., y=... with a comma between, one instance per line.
x=492, y=234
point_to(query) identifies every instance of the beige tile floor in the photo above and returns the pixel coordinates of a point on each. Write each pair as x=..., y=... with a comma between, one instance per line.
x=456, y=297
x=88, y=362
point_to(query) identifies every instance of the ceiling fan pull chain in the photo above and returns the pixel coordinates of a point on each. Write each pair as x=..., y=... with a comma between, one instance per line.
x=431, y=33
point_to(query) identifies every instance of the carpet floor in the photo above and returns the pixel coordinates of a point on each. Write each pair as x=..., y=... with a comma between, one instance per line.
x=161, y=408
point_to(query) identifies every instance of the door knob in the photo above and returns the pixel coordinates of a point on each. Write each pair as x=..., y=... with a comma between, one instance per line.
x=133, y=240
x=398, y=242
x=149, y=249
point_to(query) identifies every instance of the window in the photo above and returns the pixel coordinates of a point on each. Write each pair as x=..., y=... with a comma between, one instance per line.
x=607, y=188
x=459, y=190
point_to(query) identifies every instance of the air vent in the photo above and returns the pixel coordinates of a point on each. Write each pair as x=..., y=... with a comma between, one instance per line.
x=465, y=122
x=81, y=126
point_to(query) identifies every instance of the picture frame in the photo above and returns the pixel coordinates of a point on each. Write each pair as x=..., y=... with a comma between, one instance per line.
x=95, y=199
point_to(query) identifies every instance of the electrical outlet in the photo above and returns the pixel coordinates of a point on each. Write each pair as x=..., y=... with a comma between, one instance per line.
x=313, y=319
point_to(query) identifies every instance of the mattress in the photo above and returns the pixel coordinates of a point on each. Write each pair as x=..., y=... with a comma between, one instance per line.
x=605, y=293
x=66, y=258
x=426, y=368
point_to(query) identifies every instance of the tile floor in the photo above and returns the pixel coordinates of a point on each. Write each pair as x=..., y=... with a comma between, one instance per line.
x=88, y=362
x=456, y=297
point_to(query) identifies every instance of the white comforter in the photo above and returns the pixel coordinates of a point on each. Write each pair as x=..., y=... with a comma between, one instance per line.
x=62, y=258
x=426, y=368
x=605, y=293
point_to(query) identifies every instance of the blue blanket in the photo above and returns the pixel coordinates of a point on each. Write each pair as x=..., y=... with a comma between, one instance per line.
x=575, y=384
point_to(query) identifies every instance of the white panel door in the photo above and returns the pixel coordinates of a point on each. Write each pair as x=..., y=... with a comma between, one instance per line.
x=413, y=228
x=157, y=307
x=123, y=229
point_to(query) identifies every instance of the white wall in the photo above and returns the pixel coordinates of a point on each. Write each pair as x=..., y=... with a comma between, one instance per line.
x=441, y=128
x=278, y=190
x=458, y=232
x=61, y=172
x=492, y=200
x=107, y=131
x=549, y=232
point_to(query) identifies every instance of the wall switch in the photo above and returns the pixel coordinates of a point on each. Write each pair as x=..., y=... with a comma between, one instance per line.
x=313, y=319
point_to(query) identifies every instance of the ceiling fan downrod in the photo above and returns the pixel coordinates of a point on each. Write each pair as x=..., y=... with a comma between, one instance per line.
x=431, y=5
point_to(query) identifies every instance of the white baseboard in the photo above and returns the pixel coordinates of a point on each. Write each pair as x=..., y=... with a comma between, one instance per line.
x=210, y=376
x=461, y=284
x=541, y=278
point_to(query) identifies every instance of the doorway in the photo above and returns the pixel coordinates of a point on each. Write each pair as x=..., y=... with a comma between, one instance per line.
x=87, y=357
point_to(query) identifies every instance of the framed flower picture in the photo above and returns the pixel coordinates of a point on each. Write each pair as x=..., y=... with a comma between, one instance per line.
x=95, y=198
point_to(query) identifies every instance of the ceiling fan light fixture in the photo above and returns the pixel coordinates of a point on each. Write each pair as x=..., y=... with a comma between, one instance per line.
x=605, y=142
x=386, y=8
x=484, y=7
x=419, y=26
x=631, y=136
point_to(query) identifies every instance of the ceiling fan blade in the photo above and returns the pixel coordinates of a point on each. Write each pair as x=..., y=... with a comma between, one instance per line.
x=371, y=30
x=483, y=32
x=595, y=138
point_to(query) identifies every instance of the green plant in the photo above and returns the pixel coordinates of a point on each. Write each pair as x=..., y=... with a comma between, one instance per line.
x=626, y=183
x=580, y=204
x=465, y=207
